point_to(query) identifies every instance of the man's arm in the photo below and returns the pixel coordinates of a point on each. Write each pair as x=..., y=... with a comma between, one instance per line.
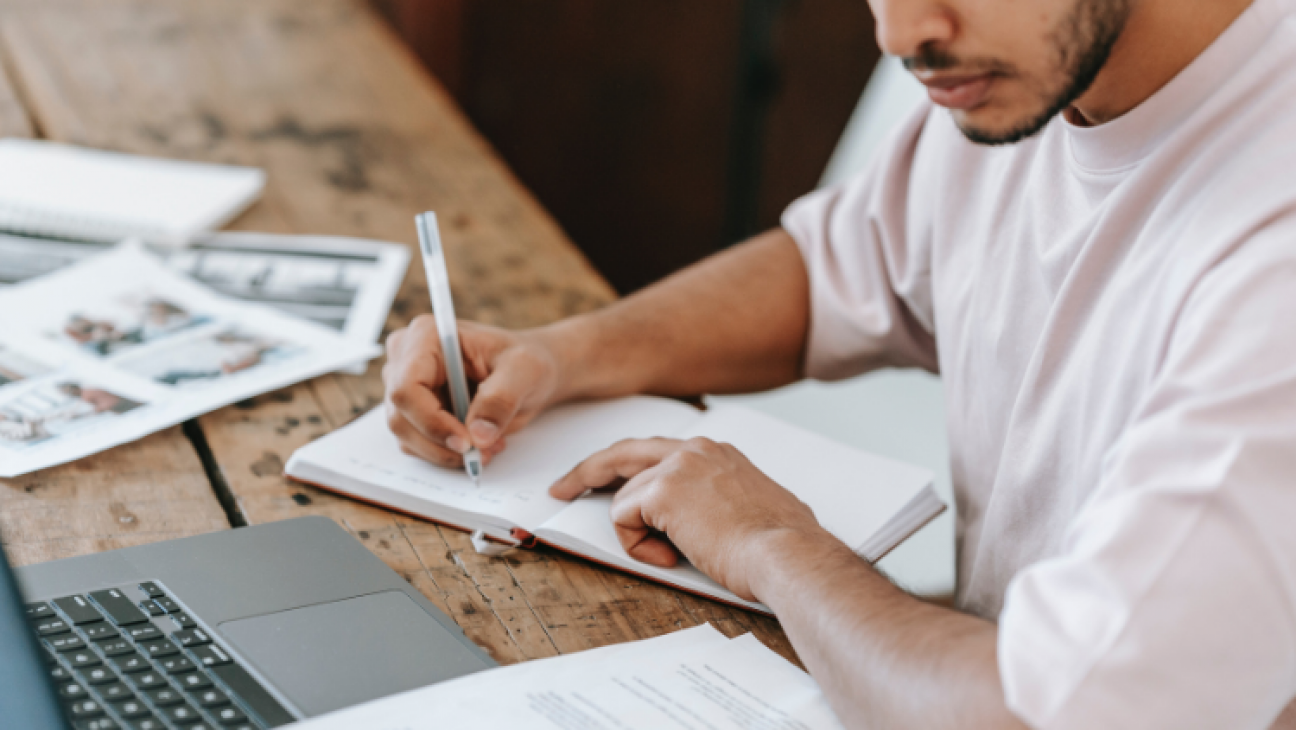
x=735, y=322
x=883, y=658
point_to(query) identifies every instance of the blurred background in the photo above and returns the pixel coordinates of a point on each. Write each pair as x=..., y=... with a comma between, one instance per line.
x=655, y=131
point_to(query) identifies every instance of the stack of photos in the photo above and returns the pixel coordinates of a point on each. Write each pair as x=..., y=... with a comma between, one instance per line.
x=119, y=345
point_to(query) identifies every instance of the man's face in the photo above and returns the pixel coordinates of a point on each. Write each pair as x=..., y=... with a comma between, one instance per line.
x=1004, y=68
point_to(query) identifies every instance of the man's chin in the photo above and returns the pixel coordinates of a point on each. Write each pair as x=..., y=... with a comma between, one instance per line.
x=985, y=129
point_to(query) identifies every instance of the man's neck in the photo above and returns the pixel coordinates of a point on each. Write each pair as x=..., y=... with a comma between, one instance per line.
x=1161, y=38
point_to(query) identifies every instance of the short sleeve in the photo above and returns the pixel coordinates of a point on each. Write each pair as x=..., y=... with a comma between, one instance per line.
x=1172, y=603
x=870, y=271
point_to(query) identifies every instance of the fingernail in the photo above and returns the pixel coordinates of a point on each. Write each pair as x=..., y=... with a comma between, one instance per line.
x=483, y=432
x=459, y=444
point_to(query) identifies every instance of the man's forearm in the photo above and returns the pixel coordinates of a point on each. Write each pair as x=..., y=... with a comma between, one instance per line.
x=883, y=658
x=735, y=322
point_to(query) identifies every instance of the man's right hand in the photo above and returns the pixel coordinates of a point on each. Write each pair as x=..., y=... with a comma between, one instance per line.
x=515, y=375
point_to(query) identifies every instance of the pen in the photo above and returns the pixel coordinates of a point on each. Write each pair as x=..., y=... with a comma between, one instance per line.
x=438, y=280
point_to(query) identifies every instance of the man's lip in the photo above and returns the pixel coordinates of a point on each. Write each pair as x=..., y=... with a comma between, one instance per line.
x=958, y=92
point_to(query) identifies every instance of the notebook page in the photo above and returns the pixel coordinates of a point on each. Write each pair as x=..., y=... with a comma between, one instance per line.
x=690, y=679
x=514, y=486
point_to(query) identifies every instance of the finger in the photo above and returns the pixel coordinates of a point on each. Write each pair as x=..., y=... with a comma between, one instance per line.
x=415, y=444
x=631, y=518
x=498, y=398
x=623, y=460
x=413, y=393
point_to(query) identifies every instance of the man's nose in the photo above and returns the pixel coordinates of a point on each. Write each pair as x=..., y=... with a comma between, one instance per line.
x=904, y=26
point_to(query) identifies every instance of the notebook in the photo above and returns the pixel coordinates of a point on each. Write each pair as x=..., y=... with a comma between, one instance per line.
x=51, y=189
x=869, y=502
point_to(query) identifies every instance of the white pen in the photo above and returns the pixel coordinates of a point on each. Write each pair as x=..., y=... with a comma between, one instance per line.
x=438, y=280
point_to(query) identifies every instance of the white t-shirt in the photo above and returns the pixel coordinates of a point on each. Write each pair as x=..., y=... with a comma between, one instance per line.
x=1113, y=312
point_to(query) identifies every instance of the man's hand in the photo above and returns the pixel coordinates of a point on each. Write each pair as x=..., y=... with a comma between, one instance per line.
x=700, y=497
x=515, y=375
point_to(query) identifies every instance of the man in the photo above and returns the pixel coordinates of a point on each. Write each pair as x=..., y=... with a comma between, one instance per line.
x=1094, y=242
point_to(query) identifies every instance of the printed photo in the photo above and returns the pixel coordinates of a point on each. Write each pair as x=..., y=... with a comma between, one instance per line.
x=56, y=409
x=210, y=358
x=15, y=366
x=132, y=321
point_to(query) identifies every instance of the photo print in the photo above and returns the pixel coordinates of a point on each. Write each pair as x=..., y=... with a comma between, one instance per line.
x=128, y=322
x=212, y=357
x=55, y=409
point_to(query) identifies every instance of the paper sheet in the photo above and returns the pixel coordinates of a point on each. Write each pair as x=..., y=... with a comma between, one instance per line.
x=690, y=680
x=119, y=346
x=346, y=284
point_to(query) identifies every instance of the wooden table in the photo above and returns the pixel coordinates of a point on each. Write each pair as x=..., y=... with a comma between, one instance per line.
x=356, y=138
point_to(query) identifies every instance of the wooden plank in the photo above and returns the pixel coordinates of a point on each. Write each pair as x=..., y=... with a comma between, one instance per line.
x=151, y=490
x=356, y=139
x=14, y=121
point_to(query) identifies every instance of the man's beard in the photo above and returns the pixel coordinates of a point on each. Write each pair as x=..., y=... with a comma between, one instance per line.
x=1084, y=42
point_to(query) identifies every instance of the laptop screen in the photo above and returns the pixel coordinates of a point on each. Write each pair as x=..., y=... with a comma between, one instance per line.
x=27, y=698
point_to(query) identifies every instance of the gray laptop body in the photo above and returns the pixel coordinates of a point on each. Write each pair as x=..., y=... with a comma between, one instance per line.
x=298, y=607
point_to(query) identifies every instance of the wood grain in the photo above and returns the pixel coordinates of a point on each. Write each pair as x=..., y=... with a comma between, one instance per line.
x=356, y=138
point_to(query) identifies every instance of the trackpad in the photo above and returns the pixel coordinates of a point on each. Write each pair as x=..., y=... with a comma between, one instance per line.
x=334, y=655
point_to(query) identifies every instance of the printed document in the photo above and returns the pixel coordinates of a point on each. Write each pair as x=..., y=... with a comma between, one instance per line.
x=695, y=679
x=119, y=345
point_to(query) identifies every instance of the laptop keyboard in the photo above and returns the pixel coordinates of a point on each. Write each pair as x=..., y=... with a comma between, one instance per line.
x=131, y=658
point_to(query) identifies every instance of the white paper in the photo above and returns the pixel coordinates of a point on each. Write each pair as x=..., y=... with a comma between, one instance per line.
x=124, y=346
x=55, y=189
x=690, y=680
x=514, y=486
x=346, y=284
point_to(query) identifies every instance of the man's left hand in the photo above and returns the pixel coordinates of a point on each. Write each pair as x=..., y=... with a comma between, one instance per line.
x=702, y=498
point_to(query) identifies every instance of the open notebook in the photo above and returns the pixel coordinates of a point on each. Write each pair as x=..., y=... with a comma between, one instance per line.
x=51, y=189
x=870, y=503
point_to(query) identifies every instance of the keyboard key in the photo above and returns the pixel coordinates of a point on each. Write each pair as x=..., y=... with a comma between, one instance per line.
x=147, y=632
x=83, y=659
x=160, y=648
x=71, y=642
x=98, y=723
x=211, y=655
x=39, y=611
x=78, y=609
x=116, y=647
x=252, y=694
x=85, y=708
x=185, y=620
x=211, y=698
x=152, y=589
x=131, y=663
x=151, y=608
x=147, y=680
x=51, y=626
x=131, y=709
x=58, y=674
x=121, y=609
x=191, y=637
x=71, y=691
x=168, y=604
x=194, y=682
x=98, y=675
x=182, y=714
x=148, y=722
x=229, y=715
x=115, y=692
x=178, y=664
x=165, y=696
x=100, y=632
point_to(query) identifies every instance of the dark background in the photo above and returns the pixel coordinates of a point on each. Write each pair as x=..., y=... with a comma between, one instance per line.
x=655, y=131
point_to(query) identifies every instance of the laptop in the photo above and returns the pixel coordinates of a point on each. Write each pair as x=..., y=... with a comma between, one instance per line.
x=255, y=627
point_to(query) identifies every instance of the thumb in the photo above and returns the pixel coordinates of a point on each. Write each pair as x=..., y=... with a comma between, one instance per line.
x=498, y=399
